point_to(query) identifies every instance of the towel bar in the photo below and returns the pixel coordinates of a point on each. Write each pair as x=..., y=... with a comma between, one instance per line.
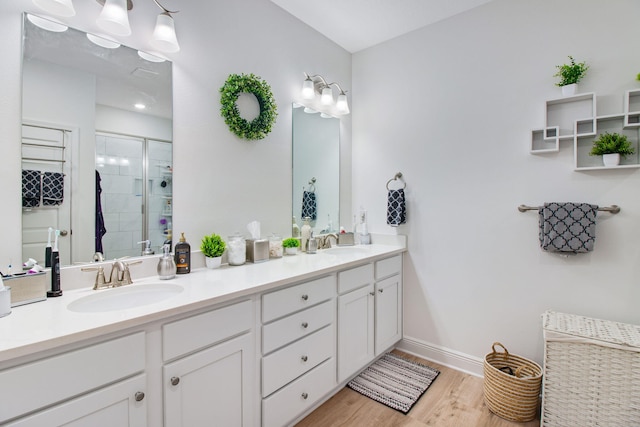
x=614, y=209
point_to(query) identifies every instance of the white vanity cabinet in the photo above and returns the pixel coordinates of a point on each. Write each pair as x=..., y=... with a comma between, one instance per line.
x=298, y=349
x=209, y=368
x=99, y=385
x=369, y=313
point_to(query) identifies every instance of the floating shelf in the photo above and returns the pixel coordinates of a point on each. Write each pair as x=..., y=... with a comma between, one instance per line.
x=562, y=113
x=612, y=124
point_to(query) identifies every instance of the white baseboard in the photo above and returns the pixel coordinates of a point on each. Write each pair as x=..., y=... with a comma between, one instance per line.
x=445, y=356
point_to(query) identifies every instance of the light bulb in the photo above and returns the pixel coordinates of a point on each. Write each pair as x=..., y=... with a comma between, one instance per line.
x=114, y=18
x=103, y=41
x=342, y=105
x=56, y=7
x=308, y=91
x=164, y=35
x=47, y=24
x=327, y=96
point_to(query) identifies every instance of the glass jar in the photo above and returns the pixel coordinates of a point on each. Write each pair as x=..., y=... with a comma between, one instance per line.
x=236, y=250
x=275, y=246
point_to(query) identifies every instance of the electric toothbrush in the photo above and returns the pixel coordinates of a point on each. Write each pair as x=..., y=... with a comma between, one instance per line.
x=55, y=270
x=47, y=251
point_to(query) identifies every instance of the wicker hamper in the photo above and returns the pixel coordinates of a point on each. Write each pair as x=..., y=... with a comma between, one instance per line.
x=591, y=372
x=511, y=385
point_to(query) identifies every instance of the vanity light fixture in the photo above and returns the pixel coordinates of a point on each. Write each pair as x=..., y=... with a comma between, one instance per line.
x=114, y=19
x=103, y=41
x=316, y=84
x=47, y=24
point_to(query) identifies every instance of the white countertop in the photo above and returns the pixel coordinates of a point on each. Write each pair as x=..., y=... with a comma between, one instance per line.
x=48, y=324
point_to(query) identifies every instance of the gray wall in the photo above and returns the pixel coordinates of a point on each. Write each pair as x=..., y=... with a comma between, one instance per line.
x=452, y=107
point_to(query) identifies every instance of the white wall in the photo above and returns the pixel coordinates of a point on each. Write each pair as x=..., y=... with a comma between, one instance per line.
x=452, y=106
x=221, y=183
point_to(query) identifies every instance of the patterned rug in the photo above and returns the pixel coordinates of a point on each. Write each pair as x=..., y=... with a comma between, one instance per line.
x=394, y=381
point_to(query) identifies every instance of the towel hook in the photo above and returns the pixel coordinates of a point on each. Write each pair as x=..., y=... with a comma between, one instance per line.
x=312, y=184
x=397, y=176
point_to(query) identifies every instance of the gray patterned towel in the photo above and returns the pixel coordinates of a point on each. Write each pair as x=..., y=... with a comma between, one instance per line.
x=396, y=208
x=31, y=188
x=52, y=188
x=309, y=205
x=567, y=227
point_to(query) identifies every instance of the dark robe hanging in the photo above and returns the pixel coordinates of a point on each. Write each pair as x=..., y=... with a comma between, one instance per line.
x=100, y=229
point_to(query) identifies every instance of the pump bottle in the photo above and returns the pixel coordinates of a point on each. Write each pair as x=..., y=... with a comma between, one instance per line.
x=183, y=256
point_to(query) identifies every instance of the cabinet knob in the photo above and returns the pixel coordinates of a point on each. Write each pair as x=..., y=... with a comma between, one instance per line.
x=305, y=325
x=304, y=358
x=304, y=396
x=381, y=290
x=372, y=293
x=175, y=380
x=139, y=396
x=305, y=297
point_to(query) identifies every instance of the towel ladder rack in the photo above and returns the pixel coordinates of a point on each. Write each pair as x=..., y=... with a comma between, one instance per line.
x=614, y=209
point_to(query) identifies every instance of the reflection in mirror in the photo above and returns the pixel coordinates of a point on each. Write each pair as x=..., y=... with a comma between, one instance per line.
x=316, y=169
x=92, y=159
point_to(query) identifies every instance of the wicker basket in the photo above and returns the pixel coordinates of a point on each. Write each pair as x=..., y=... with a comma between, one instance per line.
x=511, y=385
x=592, y=372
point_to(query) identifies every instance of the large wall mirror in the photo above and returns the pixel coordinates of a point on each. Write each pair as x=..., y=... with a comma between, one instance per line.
x=96, y=145
x=316, y=169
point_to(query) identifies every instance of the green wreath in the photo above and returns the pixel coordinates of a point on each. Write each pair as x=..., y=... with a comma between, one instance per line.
x=259, y=127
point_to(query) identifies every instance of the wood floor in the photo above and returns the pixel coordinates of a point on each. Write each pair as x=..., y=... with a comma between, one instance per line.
x=454, y=399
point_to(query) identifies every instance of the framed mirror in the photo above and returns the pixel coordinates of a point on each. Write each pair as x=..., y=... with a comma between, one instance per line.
x=316, y=169
x=96, y=145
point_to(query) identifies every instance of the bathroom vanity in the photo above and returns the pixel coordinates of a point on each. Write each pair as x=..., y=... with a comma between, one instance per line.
x=259, y=344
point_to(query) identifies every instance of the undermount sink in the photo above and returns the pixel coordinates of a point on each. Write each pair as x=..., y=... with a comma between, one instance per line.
x=129, y=296
x=336, y=250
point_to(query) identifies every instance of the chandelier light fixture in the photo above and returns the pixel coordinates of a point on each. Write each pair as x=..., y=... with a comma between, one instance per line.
x=114, y=19
x=315, y=85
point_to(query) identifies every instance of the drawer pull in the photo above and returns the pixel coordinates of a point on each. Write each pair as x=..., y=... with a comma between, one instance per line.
x=381, y=290
x=372, y=293
x=304, y=358
x=305, y=325
x=305, y=297
x=304, y=396
x=139, y=396
x=175, y=380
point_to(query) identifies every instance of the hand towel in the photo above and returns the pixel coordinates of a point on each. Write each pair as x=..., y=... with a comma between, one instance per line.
x=31, y=188
x=396, y=208
x=309, y=205
x=52, y=188
x=567, y=227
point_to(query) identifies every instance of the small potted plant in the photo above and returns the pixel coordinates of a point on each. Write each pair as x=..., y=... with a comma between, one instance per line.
x=611, y=146
x=570, y=74
x=291, y=245
x=212, y=247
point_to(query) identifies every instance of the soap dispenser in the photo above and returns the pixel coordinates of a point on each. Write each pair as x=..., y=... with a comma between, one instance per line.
x=166, y=265
x=183, y=256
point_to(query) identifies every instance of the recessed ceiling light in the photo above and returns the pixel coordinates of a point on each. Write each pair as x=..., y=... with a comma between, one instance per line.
x=47, y=24
x=103, y=41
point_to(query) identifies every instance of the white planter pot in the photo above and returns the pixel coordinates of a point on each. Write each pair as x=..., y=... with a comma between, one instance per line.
x=569, y=90
x=611, y=159
x=290, y=251
x=213, y=262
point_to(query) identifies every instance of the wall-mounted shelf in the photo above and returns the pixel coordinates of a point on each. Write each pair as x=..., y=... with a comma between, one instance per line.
x=612, y=124
x=541, y=144
x=632, y=108
x=562, y=113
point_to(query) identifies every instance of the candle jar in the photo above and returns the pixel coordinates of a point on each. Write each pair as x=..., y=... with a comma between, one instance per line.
x=275, y=246
x=236, y=250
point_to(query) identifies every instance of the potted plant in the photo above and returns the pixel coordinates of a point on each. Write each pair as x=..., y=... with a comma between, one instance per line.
x=291, y=245
x=570, y=74
x=212, y=247
x=611, y=146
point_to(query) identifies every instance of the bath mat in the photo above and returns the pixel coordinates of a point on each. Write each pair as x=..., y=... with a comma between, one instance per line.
x=394, y=381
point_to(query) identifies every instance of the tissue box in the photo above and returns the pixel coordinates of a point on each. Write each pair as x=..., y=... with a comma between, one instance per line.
x=27, y=288
x=257, y=250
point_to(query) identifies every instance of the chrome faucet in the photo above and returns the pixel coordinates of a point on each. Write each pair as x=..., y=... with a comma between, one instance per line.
x=120, y=275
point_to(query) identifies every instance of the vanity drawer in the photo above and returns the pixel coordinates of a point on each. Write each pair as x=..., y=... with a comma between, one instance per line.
x=355, y=278
x=69, y=374
x=298, y=325
x=290, y=362
x=388, y=267
x=289, y=300
x=202, y=330
x=296, y=398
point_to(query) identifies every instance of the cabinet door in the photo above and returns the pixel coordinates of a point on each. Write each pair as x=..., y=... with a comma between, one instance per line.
x=212, y=387
x=388, y=313
x=355, y=331
x=120, y=405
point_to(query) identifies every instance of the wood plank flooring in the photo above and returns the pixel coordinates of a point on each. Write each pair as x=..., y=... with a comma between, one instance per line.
x=455, y=399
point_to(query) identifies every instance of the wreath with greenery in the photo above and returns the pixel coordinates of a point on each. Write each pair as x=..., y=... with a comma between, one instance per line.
x=259, y=127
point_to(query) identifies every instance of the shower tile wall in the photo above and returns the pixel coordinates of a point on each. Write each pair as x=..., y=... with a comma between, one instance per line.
x=119, y=161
